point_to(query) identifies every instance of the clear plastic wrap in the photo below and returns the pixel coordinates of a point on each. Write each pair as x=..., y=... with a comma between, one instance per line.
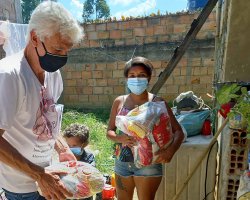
x=150, y=125
x=82, y=179
x=13, y=37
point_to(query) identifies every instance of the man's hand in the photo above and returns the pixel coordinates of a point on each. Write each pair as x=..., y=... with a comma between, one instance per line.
x=67, y=155
x=63, y=150
x=52, y=187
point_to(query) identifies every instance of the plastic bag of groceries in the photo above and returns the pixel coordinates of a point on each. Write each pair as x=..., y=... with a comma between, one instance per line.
x=82, y=179
x=150, y=125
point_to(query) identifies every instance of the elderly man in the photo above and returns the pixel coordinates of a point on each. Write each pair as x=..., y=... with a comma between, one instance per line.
x=30, y=85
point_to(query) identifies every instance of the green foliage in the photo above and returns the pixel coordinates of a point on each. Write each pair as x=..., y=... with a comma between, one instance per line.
x=99, y=8
x=227, y=92
x=97, y=123
x=240, y=95
x=27, y=9
x=102, y=9
x=88, y=10
x=243, y=107
x=89, y=18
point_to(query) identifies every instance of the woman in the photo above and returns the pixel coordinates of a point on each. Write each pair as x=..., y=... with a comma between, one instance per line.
x=147, y=179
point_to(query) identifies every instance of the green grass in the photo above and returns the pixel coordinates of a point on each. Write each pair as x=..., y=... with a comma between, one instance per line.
x=97, y=122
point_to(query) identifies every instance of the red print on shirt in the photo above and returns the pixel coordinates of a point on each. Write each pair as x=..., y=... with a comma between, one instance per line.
x=46, y=117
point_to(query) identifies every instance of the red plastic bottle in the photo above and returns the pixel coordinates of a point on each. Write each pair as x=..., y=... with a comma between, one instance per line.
x=108, y=192
x=206, y=128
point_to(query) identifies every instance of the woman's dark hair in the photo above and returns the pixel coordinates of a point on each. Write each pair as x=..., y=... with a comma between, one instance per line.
x=139, y=61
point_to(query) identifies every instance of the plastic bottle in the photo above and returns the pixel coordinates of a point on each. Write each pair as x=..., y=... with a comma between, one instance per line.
x=108, y=192
x=206, y=128
x=113, y=180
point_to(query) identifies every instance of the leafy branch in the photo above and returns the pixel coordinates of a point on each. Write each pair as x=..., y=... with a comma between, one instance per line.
x=241, y=97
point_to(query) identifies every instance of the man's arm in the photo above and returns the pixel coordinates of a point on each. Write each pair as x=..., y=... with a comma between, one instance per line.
x=49, y=183
x=63, y=150
x=10, y=156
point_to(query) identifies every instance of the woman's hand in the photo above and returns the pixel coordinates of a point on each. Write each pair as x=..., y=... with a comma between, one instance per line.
x=127, y=140
x=164, y=155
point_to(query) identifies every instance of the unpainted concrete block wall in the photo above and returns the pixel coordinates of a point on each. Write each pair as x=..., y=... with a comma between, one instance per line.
x=93, y=76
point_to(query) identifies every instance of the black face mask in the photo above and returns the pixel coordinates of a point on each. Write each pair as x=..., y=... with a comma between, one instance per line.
x=51, y=62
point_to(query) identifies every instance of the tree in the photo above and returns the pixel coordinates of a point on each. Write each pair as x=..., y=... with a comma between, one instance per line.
x=99, y=8
x=27, y=8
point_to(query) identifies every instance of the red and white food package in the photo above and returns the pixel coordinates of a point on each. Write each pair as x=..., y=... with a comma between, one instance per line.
x=150, y=125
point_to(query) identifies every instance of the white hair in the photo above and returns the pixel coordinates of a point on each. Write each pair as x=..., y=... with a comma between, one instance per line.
x=50, y=18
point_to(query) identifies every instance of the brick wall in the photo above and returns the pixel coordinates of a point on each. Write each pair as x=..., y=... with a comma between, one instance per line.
x=93, y=76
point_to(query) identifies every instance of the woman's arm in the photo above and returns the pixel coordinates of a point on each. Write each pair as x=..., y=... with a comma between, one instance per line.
x=111, y=135
x=166, y=155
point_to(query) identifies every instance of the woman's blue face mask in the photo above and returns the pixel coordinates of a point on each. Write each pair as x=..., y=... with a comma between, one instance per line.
x=137, y=85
